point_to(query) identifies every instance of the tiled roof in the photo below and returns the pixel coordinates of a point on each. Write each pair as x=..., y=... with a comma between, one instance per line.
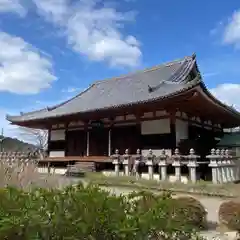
x=154, y=83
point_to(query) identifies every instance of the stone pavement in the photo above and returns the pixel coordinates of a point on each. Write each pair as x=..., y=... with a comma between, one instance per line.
x=214, y=235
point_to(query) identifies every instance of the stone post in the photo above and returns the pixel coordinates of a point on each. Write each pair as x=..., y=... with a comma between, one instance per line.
x=233, y=167
x=116, y=162
x=126, y=162
x=229, y=172
x=220, y=166
x=236, y=167
x=49, y=167
x=88, y=145
x=213, y=165
x=137, y=161
x=224, y=166
x=163, y=165
x=150, y=159
x=177, y=164
x=192, y=165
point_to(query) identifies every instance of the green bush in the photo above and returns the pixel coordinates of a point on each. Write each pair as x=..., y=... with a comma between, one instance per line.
x=229, y=215
x=86, y=213
x=193, y=212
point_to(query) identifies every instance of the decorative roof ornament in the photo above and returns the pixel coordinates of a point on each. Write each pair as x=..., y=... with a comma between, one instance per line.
x=150, y=89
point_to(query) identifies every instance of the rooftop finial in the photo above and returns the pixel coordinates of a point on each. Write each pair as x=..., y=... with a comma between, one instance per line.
x=194, y=55
x=150, y=89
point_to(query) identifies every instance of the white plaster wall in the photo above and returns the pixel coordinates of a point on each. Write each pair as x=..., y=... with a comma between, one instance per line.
x=60, y=171
x=160, y=126
x=181, y=130
x=157, y=152
x=56, y=135
x=57, y=154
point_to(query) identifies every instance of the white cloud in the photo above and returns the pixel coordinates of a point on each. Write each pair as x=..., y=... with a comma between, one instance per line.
x=23, y=68
x=228, y=93
x=71, y=90
x=94, y=30
x=232, y=30
x=14, y=6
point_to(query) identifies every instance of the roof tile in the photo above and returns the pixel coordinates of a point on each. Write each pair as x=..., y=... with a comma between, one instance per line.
x=164, y=80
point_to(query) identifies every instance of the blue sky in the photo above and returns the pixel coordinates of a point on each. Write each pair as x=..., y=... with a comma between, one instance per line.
x=52, y=49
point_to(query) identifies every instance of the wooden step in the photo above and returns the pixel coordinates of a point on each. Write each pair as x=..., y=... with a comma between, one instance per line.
x=79, y=169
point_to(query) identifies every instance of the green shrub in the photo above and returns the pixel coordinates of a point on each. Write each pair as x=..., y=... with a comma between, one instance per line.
x=229, y=215
x=86, y=213
x=192, y=211
x=145, y=200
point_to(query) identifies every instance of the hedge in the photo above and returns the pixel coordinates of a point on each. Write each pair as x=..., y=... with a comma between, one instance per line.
x=229, y=215
x=89, y=213
x=193, y=211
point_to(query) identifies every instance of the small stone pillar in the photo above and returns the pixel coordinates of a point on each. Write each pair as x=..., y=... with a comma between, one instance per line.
x=163, y=166
x=236, y=168
x=126, y=162
x=224, y=166
x=137, y=161
x=232, y=170
x=213, y=165
x=192, y=165
x=229, y=172
x=49, y=167
x=177, y=164
x=220, y=166
x=150, y=159
x=116, y=162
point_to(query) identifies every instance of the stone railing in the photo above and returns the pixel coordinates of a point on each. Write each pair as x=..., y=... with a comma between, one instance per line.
x=13, y=158
x=21, y=159
x=224, y=167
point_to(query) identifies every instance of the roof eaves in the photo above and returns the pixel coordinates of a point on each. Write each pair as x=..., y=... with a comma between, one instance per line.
x=8, y=117
x=225, y=106
x=12, y=118
x=189, y=86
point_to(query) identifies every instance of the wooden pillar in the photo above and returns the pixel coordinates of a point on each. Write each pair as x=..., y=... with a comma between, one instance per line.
x=173, y=127
x=109, y=142
x=88, y=135
x=49, y=138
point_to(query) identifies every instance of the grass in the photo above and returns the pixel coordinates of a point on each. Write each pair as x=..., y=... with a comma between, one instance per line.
x=25, y=176
x=228, y=190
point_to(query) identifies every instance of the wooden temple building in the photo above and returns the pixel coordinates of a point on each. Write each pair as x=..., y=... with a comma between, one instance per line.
x=162, y=107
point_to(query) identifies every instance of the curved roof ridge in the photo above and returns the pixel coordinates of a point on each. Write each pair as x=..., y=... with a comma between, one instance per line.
x=180, y=73
x=148, y=69
x=72, y=98
x=48, y=109
x=184, y=71
x=29, y=113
